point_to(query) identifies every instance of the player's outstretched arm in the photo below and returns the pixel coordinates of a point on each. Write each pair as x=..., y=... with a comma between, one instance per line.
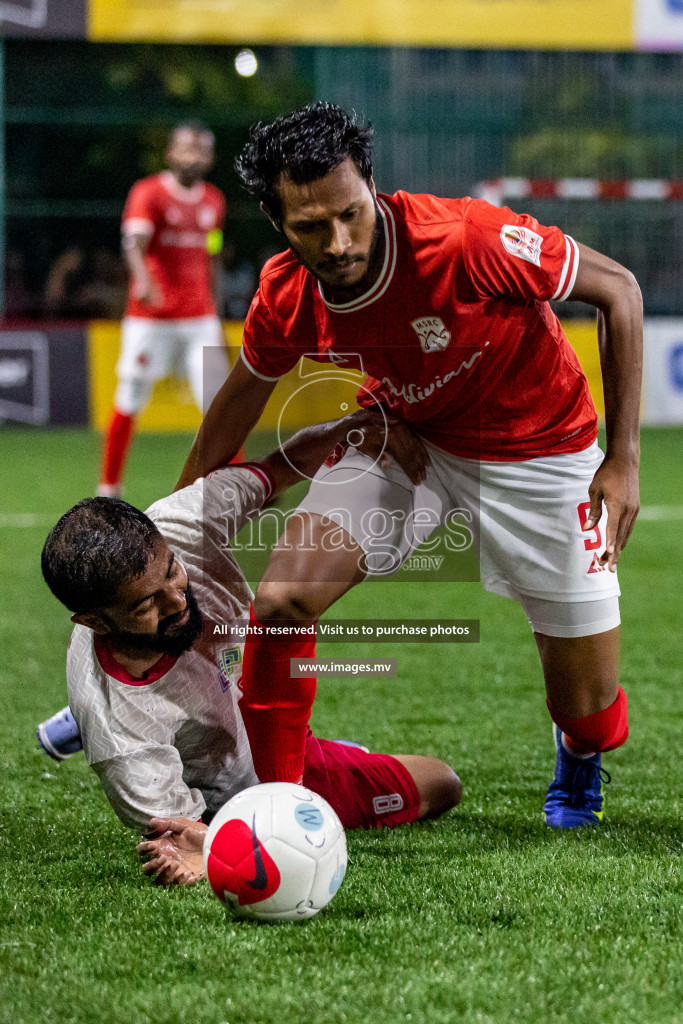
x=176, y=857
x=373, y=432
x=615, y=292
x=231, y=416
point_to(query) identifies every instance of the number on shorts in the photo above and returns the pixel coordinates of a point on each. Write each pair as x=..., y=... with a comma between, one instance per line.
x=388, y=803
x=589, y=543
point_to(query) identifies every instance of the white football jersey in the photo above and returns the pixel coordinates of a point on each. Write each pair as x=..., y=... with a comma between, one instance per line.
x=174, y=743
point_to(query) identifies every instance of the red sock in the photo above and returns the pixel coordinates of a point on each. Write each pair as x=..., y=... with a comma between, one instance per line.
x=275, y=708
x=605, y=730
x=116, y=448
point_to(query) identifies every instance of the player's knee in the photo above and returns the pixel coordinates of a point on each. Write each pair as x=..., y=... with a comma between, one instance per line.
x=443, y=792
x=438, y=786
x=132, y=395
x=277, y=602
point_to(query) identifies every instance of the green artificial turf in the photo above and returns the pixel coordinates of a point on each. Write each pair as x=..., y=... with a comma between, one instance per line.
x=483, y=916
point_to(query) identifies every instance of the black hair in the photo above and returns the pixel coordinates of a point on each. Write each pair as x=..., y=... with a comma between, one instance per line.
x=304, y=146
x=96, y=547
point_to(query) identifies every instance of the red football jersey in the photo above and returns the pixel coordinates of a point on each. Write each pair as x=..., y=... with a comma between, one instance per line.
x=178, y=221
x=456, y=334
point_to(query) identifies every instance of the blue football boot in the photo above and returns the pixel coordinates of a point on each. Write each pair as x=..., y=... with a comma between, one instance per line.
x=575, y=795
x=59, y=736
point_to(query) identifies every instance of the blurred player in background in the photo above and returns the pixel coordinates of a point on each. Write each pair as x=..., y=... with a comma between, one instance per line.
x=152, y=676
x=444, y=302
x=172, y=231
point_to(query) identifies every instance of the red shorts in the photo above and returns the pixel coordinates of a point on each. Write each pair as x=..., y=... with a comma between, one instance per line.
x=366, y=790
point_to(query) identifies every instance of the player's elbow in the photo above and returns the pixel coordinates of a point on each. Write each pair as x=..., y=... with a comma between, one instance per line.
x=631, y=290
x=622, y=292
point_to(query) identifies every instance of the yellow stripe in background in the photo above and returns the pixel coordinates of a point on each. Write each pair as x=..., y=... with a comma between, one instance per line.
x=172, y=407
x=535, y=24
x=583, y=337
x=298, y=399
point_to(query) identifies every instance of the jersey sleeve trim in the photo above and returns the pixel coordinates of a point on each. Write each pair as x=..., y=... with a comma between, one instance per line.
x=569, y=270
x=263, y=474
x=248, y=365
x=137, y=226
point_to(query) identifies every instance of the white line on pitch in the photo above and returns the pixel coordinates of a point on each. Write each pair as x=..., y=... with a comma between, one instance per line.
x=9, y=520
x=23, y=520
x=663, y=512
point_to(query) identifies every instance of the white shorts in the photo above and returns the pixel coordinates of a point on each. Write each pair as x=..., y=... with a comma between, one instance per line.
x=154, y=349
x=524, y=519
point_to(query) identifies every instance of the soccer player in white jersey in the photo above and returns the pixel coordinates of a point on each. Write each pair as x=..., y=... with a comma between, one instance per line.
x=444, y=302
x=153, y=678
x=172, y=230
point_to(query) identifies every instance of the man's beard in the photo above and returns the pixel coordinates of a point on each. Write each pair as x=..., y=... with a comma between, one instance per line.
x=187, y=175
x=360, y=287
x=174, y=643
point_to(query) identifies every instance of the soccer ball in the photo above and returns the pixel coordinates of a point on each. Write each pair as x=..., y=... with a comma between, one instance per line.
x=275, y=852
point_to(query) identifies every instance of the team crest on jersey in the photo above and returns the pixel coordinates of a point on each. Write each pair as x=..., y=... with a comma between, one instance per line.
x=173, y=215
x=432, y=333
x=227, y=660
x=522, y=242
x=206, y=217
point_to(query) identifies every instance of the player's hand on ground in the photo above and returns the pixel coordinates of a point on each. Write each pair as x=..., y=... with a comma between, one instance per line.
x=176, y=857
x=615, y=484
x=166, y=871
x=383, y=437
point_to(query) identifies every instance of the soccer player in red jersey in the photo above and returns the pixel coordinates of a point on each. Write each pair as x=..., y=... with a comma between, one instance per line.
x=172, y=236
x=444, y=303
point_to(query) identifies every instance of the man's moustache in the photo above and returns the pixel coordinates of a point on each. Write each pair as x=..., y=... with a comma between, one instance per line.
x=171, y=621
x=337, y=264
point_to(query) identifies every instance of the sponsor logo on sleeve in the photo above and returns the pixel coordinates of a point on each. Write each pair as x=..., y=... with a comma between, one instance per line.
x=522, y=242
